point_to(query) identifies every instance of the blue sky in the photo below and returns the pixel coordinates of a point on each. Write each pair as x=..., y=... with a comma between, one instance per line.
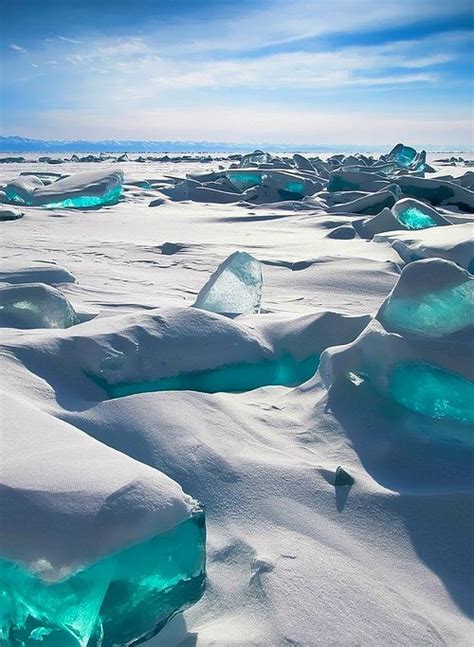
x=281, y=71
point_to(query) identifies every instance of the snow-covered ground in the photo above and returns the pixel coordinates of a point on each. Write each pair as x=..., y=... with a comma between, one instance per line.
x=292, y=559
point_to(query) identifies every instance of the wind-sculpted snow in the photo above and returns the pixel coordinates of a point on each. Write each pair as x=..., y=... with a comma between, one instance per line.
x=453, y=243
x=234, y=288
x=78, y=191
x=35, y=305
x=97, y=549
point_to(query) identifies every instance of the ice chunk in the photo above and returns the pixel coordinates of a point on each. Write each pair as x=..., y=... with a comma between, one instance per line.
x=403, y=155
x=79, y=191
x=118, y=600
x=432, y=298
x=10, y=214
x=252, y=159
x=433, y=391
x=96, y=548
x=437, y=191
x=35, y=305
x=414, y=214
x=234, y=288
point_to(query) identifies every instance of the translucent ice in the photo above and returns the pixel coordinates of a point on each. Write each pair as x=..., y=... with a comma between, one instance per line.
x=433, y=298
x=234, y=288
x=414, y=218
x=35, y=305
x=119, y=600
x=433, y=391
x=235, y=378
x=79, y=191
x=433, y=314
x=404, y=155
x=414, y=214
x=244, y=180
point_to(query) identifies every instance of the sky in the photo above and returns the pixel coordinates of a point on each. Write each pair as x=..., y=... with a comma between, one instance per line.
x=302, y=72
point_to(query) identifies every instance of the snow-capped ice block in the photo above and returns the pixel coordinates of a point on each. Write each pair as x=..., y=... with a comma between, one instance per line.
x=432, y=298
x=413, y=214
x=370, y=204
x=78, y=191
x=96, y=548
x=35, y=305
x=433, y=391
x=431, y=377
x=356, y=181
x=437, y=191
x=234, y=288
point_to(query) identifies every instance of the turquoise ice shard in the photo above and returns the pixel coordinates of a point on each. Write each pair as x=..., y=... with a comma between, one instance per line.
x=407, y=157
x=234, y=288
x=35, y=305
x=96, y=549
x=78, y=191
x=433, y=298
x=402, y=154
x=414, y=214
x=118, y=600
x=433, y=391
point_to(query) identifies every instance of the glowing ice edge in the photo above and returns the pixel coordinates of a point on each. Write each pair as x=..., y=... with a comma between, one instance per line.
x=80, y=202
x=125, y=597
x=234, y=378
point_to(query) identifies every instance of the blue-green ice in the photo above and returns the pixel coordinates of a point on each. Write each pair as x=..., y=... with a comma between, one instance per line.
x=432, y=314
x=414, y=218
x=118, y=600
x=235, y=378
x=433, y=391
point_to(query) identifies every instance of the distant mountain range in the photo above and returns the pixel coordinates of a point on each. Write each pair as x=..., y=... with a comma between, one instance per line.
x=15, y=144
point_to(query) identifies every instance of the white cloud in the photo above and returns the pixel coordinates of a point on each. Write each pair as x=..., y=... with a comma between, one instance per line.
x=18, y=48
x=67, y=40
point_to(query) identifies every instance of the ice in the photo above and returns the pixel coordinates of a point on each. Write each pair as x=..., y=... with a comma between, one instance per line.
x=407, y=157
x=414, y=214
x=236, y=378
x=234, y=288
x=404, y=155
x=433, y=298
x=433, y=391
x=244, y=180
x=35, y=305
x=116, y=601
x=78, y=191
x=96, y=549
